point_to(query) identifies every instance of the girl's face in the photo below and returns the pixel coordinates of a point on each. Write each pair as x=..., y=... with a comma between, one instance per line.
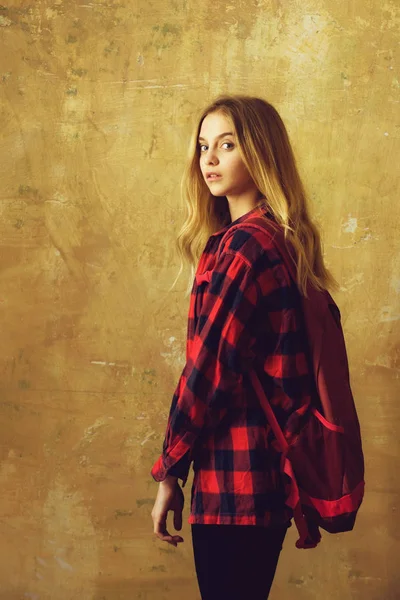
x=220, y=162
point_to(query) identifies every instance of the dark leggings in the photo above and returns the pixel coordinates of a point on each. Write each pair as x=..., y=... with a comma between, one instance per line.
x=236, y=562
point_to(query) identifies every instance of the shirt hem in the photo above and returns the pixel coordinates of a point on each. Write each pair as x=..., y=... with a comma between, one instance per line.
x=239, y=520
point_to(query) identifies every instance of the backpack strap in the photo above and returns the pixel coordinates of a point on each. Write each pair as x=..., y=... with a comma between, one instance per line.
x=305, y=540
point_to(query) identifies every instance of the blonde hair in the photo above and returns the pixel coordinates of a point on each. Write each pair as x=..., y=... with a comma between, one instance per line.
x=266, y=151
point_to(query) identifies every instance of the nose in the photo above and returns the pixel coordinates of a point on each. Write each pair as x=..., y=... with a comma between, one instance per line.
x=211, y=157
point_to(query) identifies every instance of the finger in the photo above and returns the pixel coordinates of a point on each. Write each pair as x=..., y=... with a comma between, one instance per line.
x=160, y=529
x=178, y=520
x=174, y=540
x=165, y=536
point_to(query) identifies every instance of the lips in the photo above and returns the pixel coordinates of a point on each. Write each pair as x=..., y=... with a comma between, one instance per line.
x=213, y=176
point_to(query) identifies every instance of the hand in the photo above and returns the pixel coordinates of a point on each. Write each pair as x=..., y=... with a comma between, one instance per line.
x=313, y=538
x=169, y=497
x=314, y=532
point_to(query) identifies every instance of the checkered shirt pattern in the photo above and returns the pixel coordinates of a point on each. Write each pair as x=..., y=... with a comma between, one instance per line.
x=244, y=313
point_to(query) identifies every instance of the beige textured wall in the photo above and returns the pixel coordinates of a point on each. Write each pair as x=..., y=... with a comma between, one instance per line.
x=96, y=105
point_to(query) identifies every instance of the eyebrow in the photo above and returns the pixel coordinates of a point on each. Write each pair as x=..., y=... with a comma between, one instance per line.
x=218, y=136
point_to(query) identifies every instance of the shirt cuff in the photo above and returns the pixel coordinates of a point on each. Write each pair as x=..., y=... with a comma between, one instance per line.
x=179, y=469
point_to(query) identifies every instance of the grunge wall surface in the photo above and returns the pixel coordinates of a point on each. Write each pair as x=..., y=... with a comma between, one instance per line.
x=97, y=101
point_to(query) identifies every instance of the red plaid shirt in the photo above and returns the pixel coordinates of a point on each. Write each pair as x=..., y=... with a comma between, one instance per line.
x=244, y=313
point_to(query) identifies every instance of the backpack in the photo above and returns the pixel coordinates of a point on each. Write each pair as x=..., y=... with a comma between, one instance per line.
x=323, y=464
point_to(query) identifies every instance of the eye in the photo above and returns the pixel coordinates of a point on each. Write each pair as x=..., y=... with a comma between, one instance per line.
x=229, y=144
x=202, y=146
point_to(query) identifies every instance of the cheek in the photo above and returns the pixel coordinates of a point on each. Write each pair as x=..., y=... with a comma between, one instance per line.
x=239, y=168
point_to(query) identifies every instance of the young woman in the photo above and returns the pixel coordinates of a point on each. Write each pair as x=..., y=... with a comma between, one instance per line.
x=244, y=314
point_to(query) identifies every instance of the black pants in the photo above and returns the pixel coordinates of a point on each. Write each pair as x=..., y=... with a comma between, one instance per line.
x=236, y=562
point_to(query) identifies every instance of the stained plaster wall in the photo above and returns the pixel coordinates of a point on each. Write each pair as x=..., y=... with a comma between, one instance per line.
x=97, y=100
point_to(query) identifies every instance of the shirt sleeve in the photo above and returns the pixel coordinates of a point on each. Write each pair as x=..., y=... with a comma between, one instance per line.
x=221, y=349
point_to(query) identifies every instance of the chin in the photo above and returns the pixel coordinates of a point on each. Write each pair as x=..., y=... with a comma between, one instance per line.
x=218, y=191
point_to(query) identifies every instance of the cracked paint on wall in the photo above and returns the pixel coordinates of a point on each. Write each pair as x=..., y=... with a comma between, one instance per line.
x=97, y=100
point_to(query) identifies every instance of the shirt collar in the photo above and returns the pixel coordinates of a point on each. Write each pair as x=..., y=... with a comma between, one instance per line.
x=254, y=211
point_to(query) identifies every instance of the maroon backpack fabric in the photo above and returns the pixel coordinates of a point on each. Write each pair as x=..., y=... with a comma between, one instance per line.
x=324, y=463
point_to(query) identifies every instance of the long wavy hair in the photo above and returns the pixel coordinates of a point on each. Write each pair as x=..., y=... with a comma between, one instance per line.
x=265, y=149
